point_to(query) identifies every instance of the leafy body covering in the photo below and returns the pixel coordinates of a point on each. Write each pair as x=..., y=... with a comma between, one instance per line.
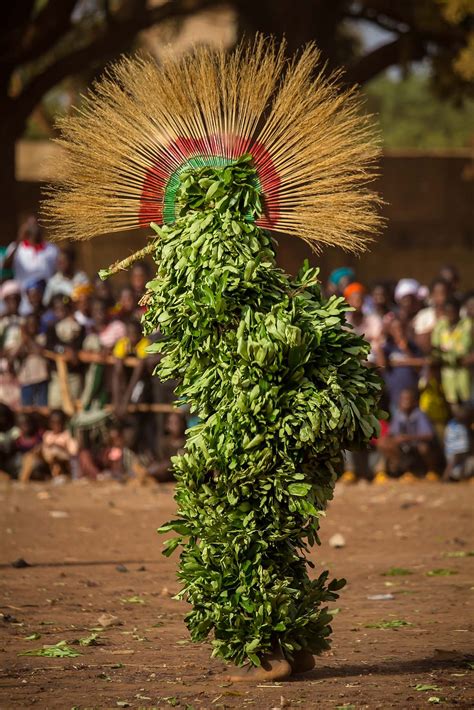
x=280, y=387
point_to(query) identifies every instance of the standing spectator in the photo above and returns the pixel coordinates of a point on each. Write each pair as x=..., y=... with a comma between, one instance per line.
x=34, y=290
x=339, y=279
x=5, y=273
x=81, y=297
x=379, y=301
x=127, y=307
x=10, y=322
x=452, y=343
x=367, y=325
x=66, y=277
x=109, y=330
x=457, y=445
x=400, y=359
x=32, y=367
x=99, y=342
x=65, y=338
x=450, y=275
x=407, y=298
x=426, y=319
x=139, y=277
x=31, y=256
x=10, y=336
x=128, y=384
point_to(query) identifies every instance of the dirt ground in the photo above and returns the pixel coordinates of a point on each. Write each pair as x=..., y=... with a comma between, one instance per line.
x=94, y=550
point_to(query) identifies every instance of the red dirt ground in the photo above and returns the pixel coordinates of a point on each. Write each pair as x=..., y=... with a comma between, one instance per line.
x=74, y=537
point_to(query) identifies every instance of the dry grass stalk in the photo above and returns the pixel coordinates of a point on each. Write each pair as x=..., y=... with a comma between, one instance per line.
x=132, y=125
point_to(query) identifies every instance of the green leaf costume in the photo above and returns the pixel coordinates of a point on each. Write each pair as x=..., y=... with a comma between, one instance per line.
x=276, y=378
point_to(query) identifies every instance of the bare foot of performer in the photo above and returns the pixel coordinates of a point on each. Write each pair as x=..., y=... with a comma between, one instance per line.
x=274, y=666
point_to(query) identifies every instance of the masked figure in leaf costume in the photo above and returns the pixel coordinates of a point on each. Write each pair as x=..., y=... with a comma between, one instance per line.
x=214, y=152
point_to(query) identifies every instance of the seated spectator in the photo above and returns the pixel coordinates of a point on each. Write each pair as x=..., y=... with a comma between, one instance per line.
x=31, y=366
x=128, y=384
x=81, y=298
x=111, y=460
x=66, y=277
x=400, y=359
x=410, y=446
x=23, y=438
x=9, y=433
x=367, y=325
x=452, y=342
x=172, y=445
x=426, y=319
x=58, y=450
x=457, y=445
x=65, y=339
x=30, y=256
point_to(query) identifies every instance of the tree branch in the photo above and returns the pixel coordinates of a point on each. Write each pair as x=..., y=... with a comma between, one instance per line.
x=105, y=46
x=51, y=23
x=368, y=66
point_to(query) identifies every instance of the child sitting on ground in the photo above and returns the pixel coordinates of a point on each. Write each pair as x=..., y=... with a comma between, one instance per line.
x=112, y=459
x=173, y=444
x=58, y=450
x=411, y=444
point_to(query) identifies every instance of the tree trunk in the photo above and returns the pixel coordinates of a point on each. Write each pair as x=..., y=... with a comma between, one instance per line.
x=8, y=187
x=297, y=22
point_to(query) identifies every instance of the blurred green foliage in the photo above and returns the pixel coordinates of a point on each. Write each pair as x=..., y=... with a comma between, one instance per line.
x=412, y=116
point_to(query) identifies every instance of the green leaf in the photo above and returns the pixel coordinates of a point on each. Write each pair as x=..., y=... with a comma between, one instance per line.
x=441, y=572
x=460, y=553
x=421, y=687
x=390, y=624
x=58, y=650
x=32, y=637
x=133, y=600
x=92, y=640
x=299, y=489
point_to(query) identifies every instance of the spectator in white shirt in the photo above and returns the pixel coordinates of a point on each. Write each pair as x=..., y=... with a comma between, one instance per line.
x=30, y=256
x=66, y=278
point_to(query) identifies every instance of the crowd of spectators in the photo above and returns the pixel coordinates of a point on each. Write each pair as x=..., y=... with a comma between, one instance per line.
x=421, y=340
x=77, y=396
